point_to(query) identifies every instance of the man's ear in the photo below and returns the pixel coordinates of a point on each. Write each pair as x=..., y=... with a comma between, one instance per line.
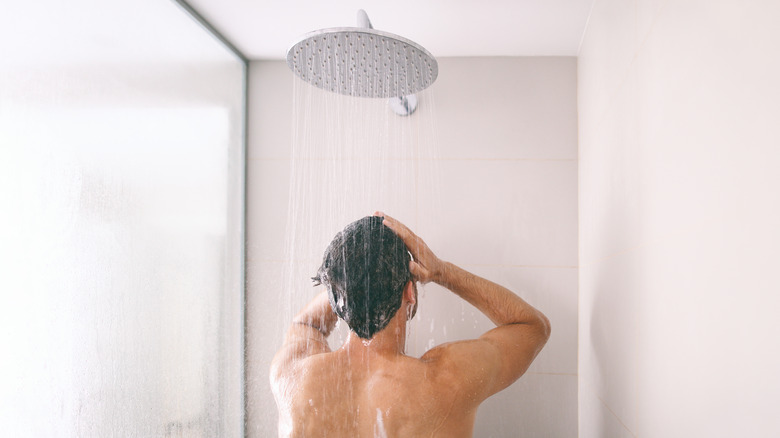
x=409, y=294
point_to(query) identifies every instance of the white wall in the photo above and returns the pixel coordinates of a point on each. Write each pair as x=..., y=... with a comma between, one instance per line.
x=679, y=213
x=506, y=208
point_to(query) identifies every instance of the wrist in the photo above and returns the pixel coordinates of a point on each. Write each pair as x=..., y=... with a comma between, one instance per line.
x=442, y=272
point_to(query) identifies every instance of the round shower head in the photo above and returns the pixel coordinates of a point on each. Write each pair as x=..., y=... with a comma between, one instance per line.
x=363, y=62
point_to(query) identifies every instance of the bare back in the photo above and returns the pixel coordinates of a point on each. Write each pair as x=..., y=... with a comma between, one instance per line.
x=371, y=389
x=335, y=395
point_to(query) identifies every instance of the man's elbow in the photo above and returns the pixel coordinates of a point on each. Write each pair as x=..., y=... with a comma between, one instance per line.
x=544, y=328
x=279, y=365
x=274, y=371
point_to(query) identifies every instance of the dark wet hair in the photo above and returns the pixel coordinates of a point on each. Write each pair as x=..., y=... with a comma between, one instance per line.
x=365, y=269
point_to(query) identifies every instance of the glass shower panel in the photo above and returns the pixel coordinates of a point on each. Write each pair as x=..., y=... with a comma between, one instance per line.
x=121, y=230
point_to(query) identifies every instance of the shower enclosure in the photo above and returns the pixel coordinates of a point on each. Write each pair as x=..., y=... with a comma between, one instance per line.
x=121, y=229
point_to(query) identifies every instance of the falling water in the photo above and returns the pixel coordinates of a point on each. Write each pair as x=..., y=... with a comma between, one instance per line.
x=351, y=156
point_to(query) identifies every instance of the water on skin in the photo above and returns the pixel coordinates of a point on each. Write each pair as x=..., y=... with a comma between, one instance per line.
x=350, y=157
x=379, y=427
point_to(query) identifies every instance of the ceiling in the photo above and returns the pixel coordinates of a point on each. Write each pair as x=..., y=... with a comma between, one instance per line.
x=90, y=32
x=264, y=29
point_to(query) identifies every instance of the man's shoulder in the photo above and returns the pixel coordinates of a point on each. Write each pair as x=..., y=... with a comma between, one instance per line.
x=456, y=363
x=440, y=364
x=450, y=353
x=295, y=368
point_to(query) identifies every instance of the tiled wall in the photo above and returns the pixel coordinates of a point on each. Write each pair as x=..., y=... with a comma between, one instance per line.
x=505, y=208
x=679, y=213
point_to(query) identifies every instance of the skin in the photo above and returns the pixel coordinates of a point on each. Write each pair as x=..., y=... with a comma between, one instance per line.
x=372, y=389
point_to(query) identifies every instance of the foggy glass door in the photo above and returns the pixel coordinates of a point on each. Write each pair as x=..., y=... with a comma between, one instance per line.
x=121, y=230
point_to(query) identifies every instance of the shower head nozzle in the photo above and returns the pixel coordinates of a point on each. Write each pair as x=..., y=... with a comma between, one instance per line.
x=362, y=61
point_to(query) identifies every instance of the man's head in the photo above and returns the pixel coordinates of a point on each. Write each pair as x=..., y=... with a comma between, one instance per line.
x=365, y=269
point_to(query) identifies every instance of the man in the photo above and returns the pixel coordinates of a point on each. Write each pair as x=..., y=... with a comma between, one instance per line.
x=369, y=387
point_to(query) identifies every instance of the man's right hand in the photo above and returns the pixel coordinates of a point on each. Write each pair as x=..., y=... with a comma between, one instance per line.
x=426, y=266
x=488, y=364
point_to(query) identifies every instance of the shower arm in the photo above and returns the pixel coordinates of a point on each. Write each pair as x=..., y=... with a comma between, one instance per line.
x=362, y=20
x=403, y=105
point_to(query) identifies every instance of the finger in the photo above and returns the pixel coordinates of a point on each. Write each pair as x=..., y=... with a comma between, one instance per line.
x=387, y=217
x=393, y=225
x=411, y=240
x=379, y=213
x=418, y=272
x=402, y=230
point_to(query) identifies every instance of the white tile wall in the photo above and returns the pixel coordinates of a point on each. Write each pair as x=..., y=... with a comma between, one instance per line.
x=596, y=418
x=508, y=108
x=264, y=281
x=609, y=332
x=268, y=184
x=541, y=405
x=678, y=106
x=270, y=111
x=500, y=200
x=520, y=212
x=611, y=49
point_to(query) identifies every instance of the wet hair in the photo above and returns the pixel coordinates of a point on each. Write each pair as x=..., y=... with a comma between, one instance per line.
x=365, y=269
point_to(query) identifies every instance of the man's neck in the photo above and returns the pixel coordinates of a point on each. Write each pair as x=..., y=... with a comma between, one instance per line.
x=390, y=341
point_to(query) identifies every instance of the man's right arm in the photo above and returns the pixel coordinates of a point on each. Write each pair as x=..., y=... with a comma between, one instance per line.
x=506, y=351
x=497, y=358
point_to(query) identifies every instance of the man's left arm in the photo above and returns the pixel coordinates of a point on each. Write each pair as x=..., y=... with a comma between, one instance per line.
x=307, y=334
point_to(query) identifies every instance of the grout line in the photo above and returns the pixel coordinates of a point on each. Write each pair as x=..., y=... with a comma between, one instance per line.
x=551, y=374
x=268, y=159
x=579, y=233
x=413, y=159
x=266, y=260
x=499, y=265
x=611, y=411
x=579, y=217
x=616, y=254
x=506, y=159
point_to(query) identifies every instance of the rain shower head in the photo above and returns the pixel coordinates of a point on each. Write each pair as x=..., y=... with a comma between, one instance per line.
x=362, y=61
